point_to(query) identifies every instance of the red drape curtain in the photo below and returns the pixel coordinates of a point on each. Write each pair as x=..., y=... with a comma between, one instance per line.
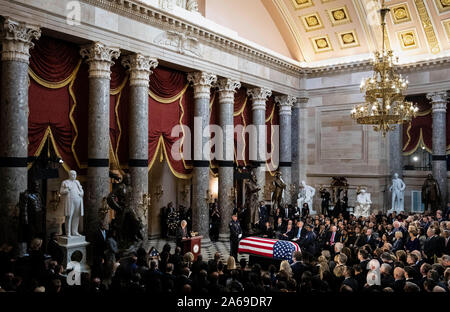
x=242, y=116
x=171, y=103
x=53, y=67
x=118, y=112
x=420, y=131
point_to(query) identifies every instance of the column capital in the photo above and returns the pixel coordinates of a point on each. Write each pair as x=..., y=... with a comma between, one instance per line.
x=100, y=59
x=259, y=97
x=140, y=68
x=301, y=102
x=286, y=102
x=438, y=101
x=202, y=82
x=227, y=88
x=16, y=39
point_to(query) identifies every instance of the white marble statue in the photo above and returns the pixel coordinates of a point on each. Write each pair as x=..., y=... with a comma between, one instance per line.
x=363, y=203
x=306, y=195
x=72, y=201
x=398, y=193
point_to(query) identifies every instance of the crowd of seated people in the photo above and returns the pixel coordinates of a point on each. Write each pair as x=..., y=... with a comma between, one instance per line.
x=383, y=253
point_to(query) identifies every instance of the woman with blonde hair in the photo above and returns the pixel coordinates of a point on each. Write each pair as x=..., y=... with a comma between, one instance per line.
x=398, y=243
x=286, y=267
x=231, y=263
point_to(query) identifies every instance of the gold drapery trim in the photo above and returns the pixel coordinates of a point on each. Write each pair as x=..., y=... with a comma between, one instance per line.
x=168, y=100
x=241, y=113
x=48, y=133
x=74, y=99
x=54, y=85
x=420, y=142
x=150, y=165
x=241, y=110
x=113, y=92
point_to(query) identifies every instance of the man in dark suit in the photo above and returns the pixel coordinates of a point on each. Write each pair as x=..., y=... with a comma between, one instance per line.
x=267, y=230
x=363, y=257
x=235, y=236
x=299, y=233
x=433, y=245
x=279, y=226
x=182, y=233
x=399, y=279
x=99, y=247
x=287, y=213
x=297, y=267
x=263, y=215
x=370, y=239
x=289, y=233
x=332, y=238
x=54, y=249
x=309, y=243
x=349, y=280
x=387, y=280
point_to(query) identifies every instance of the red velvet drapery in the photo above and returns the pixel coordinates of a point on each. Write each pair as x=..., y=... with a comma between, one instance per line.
x=419, y=131
x=53, y=68
x=171, y=104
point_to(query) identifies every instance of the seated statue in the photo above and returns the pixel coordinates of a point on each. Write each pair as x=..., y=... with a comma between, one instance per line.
x=306, y=195
x=363, y=203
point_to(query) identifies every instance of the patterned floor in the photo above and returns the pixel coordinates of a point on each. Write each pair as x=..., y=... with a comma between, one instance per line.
x=208, y=253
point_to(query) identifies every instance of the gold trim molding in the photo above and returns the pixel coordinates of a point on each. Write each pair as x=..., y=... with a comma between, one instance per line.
x=427, y=26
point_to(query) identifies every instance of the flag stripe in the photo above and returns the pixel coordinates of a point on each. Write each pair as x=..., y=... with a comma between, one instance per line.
x=258, y=251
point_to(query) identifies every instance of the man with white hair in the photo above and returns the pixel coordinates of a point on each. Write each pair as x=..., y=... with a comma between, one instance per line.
x=387, y=280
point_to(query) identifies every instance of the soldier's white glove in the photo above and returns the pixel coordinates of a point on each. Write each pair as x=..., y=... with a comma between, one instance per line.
x=239, y=236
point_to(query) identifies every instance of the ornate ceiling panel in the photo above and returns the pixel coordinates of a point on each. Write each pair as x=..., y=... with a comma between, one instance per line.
x=334, y=31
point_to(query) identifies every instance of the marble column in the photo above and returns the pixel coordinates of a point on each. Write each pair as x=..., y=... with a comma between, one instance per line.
x=258, y=143
x=140, y=67
x=439, y=157
x=395, y=152
x=100, y=59
x=202, y=83
x=226, y=88
x=296, y=148
x=16, y=41
x=286, y=102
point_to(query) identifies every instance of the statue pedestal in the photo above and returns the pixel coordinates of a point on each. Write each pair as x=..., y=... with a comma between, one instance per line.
x=74, y=250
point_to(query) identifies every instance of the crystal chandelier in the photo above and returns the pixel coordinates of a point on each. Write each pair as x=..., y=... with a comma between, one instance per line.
x=385, y=104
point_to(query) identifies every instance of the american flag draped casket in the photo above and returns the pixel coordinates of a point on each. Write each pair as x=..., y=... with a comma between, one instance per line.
x=267, y=247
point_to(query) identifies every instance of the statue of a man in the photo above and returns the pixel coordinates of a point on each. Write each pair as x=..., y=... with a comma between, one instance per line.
x=397, y=188
x=363, y=203
x=431, y=193
x=251, y=201
x=31, y=214
x=278, y=193
x=306, y=195
x=72, y=200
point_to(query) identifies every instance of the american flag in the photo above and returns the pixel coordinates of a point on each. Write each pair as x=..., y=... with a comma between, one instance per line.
x=267, y=247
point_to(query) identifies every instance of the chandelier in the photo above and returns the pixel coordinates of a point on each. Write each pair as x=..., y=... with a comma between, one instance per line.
x=385, y=104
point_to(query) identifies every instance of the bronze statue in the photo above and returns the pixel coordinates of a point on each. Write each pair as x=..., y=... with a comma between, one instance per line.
x=126, y=221
x=251, y=201
x=431, y=193
x=277, y=196
x=31, y=214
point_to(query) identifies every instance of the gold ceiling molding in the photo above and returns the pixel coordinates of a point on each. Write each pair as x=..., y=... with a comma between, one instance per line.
x=321, y=44
x=446, y=25
x=301, y=4
x=312, y=21
x=400, y=13
x=408, y=39
x=428, y=25
x=348, y=39
x=442, y=5
x=326, y=1
x=339, y=16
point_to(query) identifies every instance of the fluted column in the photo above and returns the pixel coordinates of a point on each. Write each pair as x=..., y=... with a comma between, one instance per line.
x=439, y=109
x=100, y=59
x=140, y=67
x=202, y=83
x=258, y=143
x=227, y=89
x=16, y=40
x=286, y=102
x=296, y=148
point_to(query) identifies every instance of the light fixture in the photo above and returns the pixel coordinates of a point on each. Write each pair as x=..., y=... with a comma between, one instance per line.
x=415, y=158
x=385, y=104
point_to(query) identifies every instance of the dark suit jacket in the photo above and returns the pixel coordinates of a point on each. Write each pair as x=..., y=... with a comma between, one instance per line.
x=352, y=283
x=371, y=241
x=433, y=246
x=290, y=214
x=99, y=244
x=279, y=228
x=387, y=280
x=399, y=285
x=290, y=234
x=180, y=234
x=303, y=234
x=268, y=232
x=336, y=237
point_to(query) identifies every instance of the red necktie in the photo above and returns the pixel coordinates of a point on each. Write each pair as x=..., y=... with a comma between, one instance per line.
x=332, y=238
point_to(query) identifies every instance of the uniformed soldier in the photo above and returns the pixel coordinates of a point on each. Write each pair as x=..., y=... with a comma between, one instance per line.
x=235, y=236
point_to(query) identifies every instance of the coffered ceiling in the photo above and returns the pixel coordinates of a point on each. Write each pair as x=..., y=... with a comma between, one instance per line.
x=334, y=31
